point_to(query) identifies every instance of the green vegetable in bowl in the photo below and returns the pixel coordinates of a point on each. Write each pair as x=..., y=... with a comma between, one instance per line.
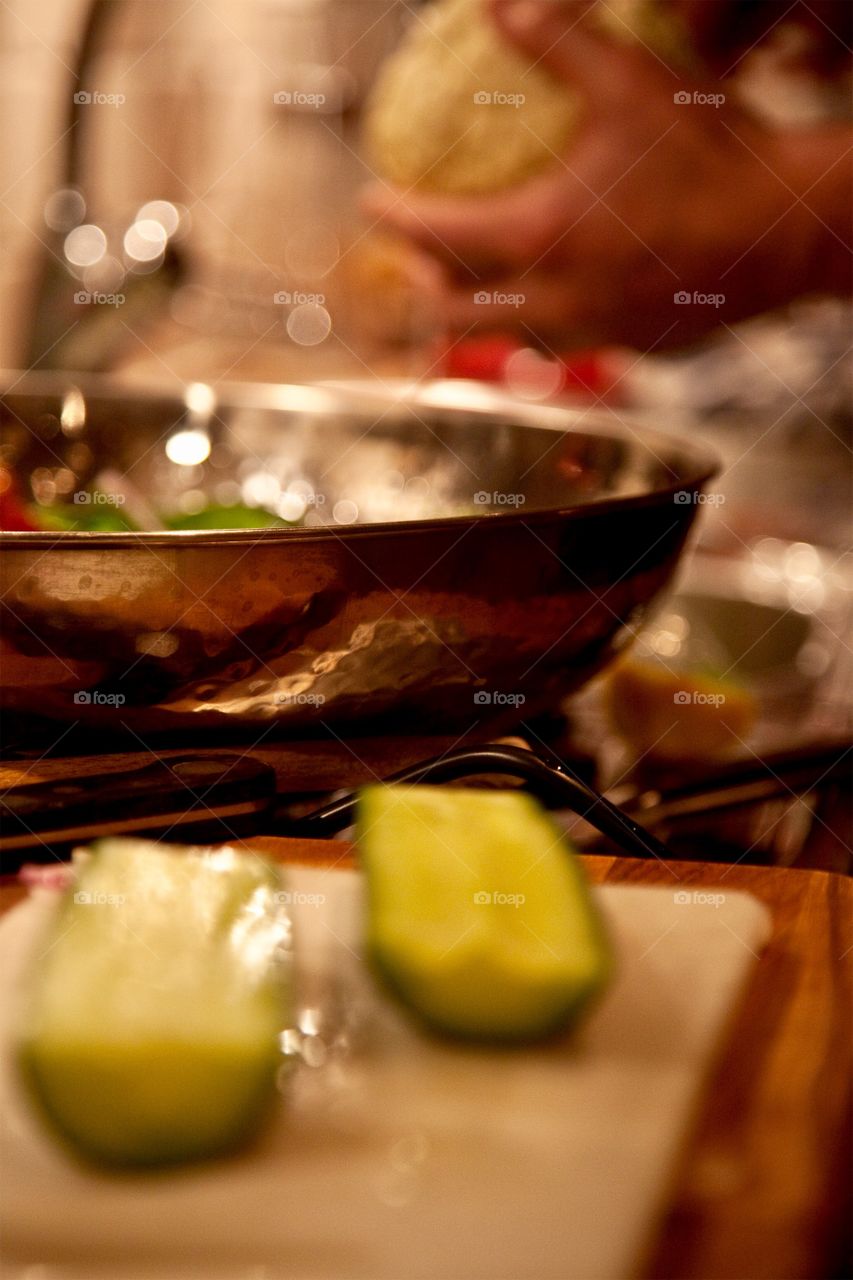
x=84, y=519
x=234, y=517
x=108, y=518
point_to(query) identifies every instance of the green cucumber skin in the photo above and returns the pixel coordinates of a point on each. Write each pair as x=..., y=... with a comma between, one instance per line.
x=561, y=1018
x=169, y=1074
x=563, y=1021
x=162, y=1144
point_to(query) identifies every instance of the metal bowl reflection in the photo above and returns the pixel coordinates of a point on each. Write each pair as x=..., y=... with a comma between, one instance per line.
x=460, y=555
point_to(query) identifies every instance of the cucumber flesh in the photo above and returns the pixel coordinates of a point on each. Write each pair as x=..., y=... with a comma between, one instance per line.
x=479, y=915
x=153, y=1013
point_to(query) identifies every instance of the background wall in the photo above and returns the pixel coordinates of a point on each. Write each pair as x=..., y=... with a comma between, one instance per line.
x=197, y=124
x=36, y=50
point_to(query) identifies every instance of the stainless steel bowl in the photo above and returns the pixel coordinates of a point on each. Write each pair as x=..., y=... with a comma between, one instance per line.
x=462, y=557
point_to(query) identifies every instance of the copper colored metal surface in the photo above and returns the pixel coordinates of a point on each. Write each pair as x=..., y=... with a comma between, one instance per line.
x=437, y=608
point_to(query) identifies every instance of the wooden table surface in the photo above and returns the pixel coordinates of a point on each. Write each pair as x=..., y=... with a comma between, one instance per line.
x=761, y=1191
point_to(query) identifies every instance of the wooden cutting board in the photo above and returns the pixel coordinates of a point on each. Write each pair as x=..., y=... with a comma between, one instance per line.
x=762, y=1185
x=398, y=1155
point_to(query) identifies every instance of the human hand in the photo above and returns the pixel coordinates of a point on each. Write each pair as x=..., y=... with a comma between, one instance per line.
x=673, y=211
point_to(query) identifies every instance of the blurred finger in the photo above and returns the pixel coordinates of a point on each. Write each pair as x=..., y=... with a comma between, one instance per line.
x=560, y=313
x=472, y=231
x=558, y=34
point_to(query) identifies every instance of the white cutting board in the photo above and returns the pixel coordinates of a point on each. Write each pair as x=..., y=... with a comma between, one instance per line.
x=399, y=1157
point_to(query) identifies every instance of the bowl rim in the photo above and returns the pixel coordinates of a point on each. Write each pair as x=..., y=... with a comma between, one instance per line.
x=364, y=396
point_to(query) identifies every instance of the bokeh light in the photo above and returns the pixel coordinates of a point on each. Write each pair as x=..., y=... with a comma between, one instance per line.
x=188, y=448
x=309, y=324
x=85, y=245
x=164, y=212
x=64, y=209
x=145, y=240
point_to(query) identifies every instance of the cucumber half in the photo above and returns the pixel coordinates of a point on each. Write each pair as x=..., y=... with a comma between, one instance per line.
x=152, y=1019
x=479, y=915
